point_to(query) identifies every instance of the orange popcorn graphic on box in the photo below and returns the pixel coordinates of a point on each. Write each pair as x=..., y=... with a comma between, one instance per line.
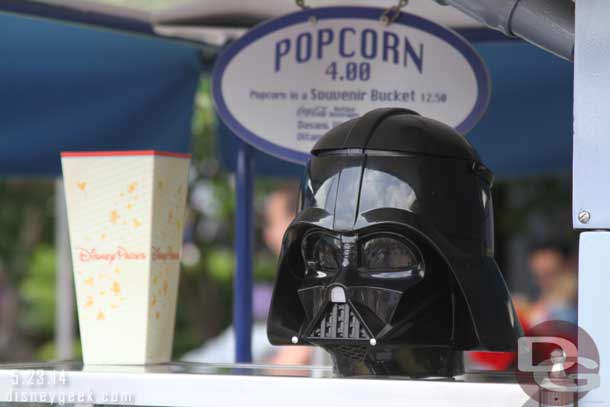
x=125, y=213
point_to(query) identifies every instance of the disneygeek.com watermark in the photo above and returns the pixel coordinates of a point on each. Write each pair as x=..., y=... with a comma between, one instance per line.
x=68, y=397
x=47, y=386
x=557, y=363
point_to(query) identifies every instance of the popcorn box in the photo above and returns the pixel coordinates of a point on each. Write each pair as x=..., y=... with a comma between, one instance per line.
x=125, y=217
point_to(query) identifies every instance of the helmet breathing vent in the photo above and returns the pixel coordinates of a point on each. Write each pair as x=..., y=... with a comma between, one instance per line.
x=339, y=322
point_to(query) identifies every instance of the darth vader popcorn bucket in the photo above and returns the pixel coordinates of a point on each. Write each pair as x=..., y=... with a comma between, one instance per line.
x=389, y=262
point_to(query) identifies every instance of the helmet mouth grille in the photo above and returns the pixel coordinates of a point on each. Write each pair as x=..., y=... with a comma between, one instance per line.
x=339, y=321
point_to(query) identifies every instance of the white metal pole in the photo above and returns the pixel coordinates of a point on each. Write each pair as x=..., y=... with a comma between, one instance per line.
x=591, y=178
x=64, y=290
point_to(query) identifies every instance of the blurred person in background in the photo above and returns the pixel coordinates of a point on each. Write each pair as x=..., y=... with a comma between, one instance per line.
x=279, y=211
x=554, y=267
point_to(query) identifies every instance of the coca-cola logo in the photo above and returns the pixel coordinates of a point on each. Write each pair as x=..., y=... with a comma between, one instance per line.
x=121, y=253
x=312, y=111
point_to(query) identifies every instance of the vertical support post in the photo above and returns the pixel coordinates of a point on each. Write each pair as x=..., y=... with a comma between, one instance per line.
x=591, y=173
x=64, y=289
x=593, y=284
x=242, y=289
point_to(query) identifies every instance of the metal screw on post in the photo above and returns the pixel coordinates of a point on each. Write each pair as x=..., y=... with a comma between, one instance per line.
x=301, y=4
x=392, y=13
x=584, y=217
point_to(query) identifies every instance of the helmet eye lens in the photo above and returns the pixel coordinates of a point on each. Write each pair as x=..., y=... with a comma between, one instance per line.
x=325, y=252
x=321, y=253
x=387, y=253
x=384, y=256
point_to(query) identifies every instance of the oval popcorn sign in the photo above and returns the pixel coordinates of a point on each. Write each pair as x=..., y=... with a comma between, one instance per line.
x=287, y=82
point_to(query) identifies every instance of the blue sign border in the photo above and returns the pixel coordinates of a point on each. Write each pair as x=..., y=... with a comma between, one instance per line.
x=323, y=13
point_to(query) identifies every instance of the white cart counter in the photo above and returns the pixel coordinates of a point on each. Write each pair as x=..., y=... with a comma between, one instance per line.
x=193, y=385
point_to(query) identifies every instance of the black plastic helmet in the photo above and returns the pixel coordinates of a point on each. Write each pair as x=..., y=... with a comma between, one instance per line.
x=389, y=263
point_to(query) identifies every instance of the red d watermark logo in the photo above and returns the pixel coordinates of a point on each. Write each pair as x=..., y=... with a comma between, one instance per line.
x=557, y=363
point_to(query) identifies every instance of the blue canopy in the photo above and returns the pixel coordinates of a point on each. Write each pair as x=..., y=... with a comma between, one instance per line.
x=67, y=87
